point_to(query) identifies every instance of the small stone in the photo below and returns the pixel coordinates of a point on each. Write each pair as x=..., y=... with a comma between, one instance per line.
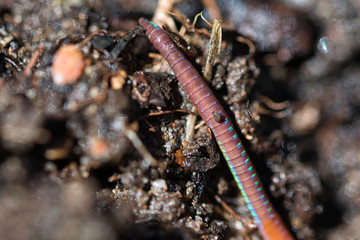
x=159, y=186
x=68, y=65
x=218, y=117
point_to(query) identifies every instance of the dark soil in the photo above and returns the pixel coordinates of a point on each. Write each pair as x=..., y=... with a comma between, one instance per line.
x=118, y=151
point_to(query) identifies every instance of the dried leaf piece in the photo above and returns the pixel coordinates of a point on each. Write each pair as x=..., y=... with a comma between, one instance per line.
x=214, y=48
x=68, y=65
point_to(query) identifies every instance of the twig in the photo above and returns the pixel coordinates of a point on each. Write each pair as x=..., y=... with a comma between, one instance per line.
x=140, y=147
x=32, y=62
x=250, y=44
x=274, y=105
x=213, y=9
x=190, y=126
x=170, y=111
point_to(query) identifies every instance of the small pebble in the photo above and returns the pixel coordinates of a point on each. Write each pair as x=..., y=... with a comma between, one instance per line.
x=159, y=186
x=218, y=117
x=97, y=147
x=68, y=65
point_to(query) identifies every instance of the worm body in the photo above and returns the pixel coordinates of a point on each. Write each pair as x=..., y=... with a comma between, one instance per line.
x=269, y=222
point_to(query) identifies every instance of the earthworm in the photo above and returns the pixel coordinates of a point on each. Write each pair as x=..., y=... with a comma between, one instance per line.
x=267, y=219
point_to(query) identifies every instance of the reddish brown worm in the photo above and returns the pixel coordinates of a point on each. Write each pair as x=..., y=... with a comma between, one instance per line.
x=267, y=219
